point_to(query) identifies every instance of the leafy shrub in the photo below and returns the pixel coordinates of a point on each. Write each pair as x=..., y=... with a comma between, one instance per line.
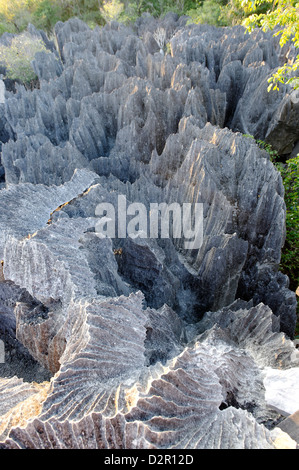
x=6, y=28
x=46, y=14
x=282, y=17
x=130, y=14
x=86, y=10
x=269, y=149
x=289, y=171
x=235, y=12
x=290, y=176
x=290, y=254
x=15, y=14
x=18, y=56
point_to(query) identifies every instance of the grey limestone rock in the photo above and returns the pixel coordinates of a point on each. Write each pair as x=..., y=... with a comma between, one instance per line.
x=30, y=206
x=17, y=361
x=199, y=399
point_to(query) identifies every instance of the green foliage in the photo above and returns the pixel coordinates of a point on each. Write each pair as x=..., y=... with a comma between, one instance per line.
x=285, y=75
x=129, y=14
x=46, y=14
x=269, y=149
x=168, y=48
x=15, y=15
x=227, y=12
x=156, y=8
x=6, y=28
x=18, y=56
x=209, y=12
x=111, y=9
x=290, y=176
x=236, y=11
x=284, y=15
x=232, y=13
x=289, y=263
x=290, y=254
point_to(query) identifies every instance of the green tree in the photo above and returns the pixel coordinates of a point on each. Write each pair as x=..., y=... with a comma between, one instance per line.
x=283, y=16
x=234, y=12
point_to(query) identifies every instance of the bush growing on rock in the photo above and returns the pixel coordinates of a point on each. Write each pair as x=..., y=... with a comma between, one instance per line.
x=15, y=15
x=290, y=176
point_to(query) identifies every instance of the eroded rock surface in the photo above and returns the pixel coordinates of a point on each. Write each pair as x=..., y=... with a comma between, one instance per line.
x=142, y=342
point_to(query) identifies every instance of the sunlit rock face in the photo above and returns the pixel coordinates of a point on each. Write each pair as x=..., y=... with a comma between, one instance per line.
x=142, y=342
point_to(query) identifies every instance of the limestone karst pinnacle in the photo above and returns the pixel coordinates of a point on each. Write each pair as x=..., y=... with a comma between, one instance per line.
x=142, y=343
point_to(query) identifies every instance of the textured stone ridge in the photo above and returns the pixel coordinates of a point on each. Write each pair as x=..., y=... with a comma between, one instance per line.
x=139, y=342
x=20, y=402
x=199, y=399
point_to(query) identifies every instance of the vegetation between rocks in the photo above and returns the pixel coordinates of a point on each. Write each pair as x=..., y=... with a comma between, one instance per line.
x=289, y=171
x=18, y=56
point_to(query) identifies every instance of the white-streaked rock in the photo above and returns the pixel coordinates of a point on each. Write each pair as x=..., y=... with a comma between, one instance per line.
x=282, y=440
